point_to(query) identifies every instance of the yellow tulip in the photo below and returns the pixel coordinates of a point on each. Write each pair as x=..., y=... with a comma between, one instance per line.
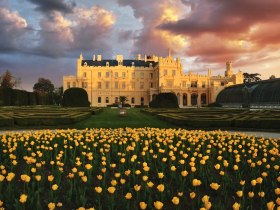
x=184, y=173
x=23, y=198
x=137, y=187
x=261, y=194
x=251, y=194
x=88, y=166
x=253, y=182
x=192, y=195
x=205, y=198
x=215, y=186
x=38, y=178
x=128, y=196
x=242, y=182
x=51, y=206
x=158, y=205
x=196, y=182
x=10, y=176
x=160, y=187
x=1, y=178
x=270, y=205
x=150, y=184
x=236, y=206
x=114, y=182
x=259, y=180
x=160, y=175
x=142, y=205
x=239, y=193
x=84, y=178
x=277, y=191
x=111, y=190
x=208, y=205
x=50, y=178
x=54, y=187
x=175, y=200
x=98, y=189
x=122, y=181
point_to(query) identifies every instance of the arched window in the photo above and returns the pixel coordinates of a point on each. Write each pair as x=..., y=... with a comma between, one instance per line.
x=203, y=99
x=142, y=101
x=132, y=100
x=194, y=97
x=185, y=99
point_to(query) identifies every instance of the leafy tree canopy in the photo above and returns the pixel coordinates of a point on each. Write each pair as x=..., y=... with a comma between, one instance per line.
x=251, y=77
x=43, y=85
x=272, y=77
x=7, y=81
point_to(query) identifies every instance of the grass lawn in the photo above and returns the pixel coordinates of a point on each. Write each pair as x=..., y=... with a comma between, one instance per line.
x=110, y=118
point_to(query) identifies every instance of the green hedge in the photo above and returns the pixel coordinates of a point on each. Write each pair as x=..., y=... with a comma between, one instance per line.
x=75, y=97
x=165, y=100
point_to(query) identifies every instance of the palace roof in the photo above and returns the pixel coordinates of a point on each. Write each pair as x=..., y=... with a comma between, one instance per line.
x=137, y=63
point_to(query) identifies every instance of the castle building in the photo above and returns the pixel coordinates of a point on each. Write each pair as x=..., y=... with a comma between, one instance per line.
x=141, y=79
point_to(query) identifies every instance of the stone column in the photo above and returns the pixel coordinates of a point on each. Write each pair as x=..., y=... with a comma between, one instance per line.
x=189, y=102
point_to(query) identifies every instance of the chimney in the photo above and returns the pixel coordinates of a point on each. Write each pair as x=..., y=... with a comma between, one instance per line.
x=139, y=57
x=99, y=57
x=93, y=57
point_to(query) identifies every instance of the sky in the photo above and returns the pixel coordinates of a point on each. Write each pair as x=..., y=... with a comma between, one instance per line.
x=44, y=38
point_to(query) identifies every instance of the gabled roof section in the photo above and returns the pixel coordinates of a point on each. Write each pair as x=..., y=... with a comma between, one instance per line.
x=137, y=63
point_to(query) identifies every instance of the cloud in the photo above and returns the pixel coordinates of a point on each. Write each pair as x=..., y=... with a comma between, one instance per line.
x=152, y=40
x=218, y=30
x=54, y=5
x=84, y=30
x=12, y=29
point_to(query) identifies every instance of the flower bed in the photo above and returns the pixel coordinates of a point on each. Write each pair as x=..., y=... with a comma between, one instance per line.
x=144, y=168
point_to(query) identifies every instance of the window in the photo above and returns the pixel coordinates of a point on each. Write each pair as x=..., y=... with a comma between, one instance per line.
x=85, y=74
x=123, y=85
x=133, y=75
x=184, y=84
x=99, y=85
x=142, y=75
x=173, y=72
x=133, y=85
x=194, y=84
x=68, y=84
x=74, y=84
x=141, y=85
x=99, y=99
x=152, y=85
x=151, y=75
x=116, y=99
x=169, y=83
x=107, y=100
x=116, y=85
x=222, y=83
x=165, y=72
x=116, y=74
x=84, y=84
x=99, y=74
x=107, y=85
x=107, y=74
x=203, y=85
x=123, y=75
x=132, y=100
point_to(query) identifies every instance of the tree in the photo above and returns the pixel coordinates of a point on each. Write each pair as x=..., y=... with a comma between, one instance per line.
x=57, y=95
x=251, y=77
x=43, y=85
x=165, y=100
x=7, y=81
x=123, y=99
x=272, y=77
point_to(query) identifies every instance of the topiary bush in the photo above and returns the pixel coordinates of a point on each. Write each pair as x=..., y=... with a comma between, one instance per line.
x=165, y=100
x=75, y=97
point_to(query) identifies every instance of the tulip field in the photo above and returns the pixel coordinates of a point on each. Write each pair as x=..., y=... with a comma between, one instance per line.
x=138, y=168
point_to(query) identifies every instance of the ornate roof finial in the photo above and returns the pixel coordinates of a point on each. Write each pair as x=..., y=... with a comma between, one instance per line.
x=169, y=52
x=81, y=56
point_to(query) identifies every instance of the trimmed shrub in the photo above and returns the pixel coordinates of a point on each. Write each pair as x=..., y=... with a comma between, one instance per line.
x=75, y=97
x=215, y=104
x=165, y=100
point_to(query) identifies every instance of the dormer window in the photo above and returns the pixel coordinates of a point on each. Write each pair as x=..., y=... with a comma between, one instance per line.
x=120, y=63
x=85, y=64
x=132, y=64
x=107, y=63
x=151, y=65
